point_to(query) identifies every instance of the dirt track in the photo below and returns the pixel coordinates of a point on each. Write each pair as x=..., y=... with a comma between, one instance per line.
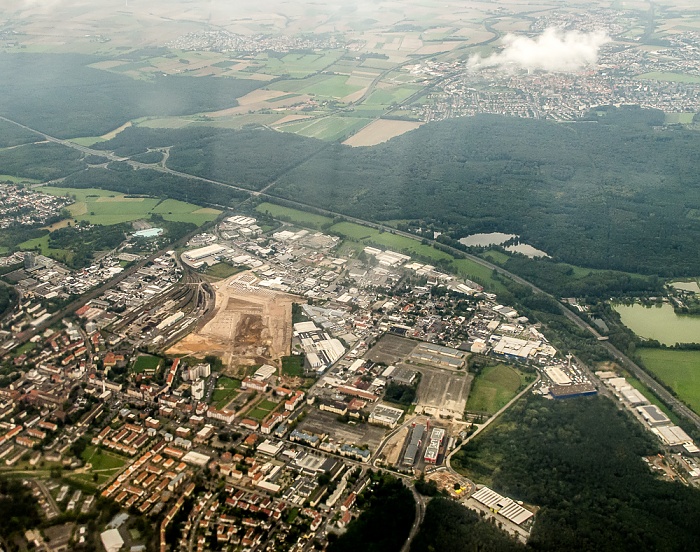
x=250, y=325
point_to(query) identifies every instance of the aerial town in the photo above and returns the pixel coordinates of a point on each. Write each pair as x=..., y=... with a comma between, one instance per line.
x=250, y=411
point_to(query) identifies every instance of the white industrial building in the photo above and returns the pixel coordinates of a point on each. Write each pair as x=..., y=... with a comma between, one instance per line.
x=204, y=252
x=502, y=505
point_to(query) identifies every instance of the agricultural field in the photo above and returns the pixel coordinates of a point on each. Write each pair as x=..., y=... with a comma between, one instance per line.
x=106, y=207
x=145, y=363
x=325, y=128
x=102, y=463
x=261, y=410
x=328, y=86
x=295, y=216
x=680, y=370
x=494, y=387
x=295, y=65
x=380, y=131
x=670, y=77
x=225, y=391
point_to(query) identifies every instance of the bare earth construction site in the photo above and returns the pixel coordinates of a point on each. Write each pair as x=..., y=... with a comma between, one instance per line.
x=250, y=325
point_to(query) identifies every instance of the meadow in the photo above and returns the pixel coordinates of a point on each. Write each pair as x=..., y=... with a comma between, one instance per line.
x=680, y=370
x=98, y=206
x=104, y=464
x=493, y=387
x=295, y=216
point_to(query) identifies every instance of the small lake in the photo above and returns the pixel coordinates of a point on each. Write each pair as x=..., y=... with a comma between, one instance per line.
x=527, y=250
x=660, y=322
x=498, y=238
x=484, y=240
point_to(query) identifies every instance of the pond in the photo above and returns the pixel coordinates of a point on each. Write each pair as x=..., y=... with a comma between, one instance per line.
x=660, y=322
x=498, y=238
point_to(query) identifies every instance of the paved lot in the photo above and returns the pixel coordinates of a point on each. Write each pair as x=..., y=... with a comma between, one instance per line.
x=443, y=392
x=326, y=422
x=391, y=349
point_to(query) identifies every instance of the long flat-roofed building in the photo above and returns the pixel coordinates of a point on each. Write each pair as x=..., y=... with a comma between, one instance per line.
x=502, y=505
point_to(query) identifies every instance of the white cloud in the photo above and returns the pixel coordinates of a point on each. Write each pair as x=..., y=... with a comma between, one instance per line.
x=554, y=50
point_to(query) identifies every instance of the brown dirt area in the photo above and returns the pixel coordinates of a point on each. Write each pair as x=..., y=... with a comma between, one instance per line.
x=380, y=131
x=249, y=326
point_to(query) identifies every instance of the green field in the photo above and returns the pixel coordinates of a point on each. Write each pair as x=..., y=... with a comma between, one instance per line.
x=293, y=365
x=223, y=270
x=494, y=387
x=329, y=86
x=670, y=77
x=106, y=207
x=679, y=118
x=496, y=257
x=390, y=96
x=295, y=216
x=17, y=179
x=391, y=241
x=326, y=128
x=261, y=410
x=680, y=370
x=225, y=391
x=43, y=245
x=296, y=65
x=145, y=362
x=103, y=463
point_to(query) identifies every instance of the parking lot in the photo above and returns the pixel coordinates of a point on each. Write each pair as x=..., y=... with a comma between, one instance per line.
x=391, y=349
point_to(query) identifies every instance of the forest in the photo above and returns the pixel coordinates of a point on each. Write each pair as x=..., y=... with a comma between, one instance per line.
x=385, y=522
x=247, y=158
x=619, y=193
x=580, y=460
x=61, y=95
x=42, y=161
x=449, y=526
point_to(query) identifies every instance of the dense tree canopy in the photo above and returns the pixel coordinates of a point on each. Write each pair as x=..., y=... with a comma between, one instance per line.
x=448, y=526
x=580, y=460
x=384, y=524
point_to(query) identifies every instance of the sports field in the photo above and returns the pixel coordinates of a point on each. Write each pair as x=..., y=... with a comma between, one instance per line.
x=680, y=370
x=225, y=391
x=98, y=206
x=261, y=410
x=146, y=362
x=493, y=388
